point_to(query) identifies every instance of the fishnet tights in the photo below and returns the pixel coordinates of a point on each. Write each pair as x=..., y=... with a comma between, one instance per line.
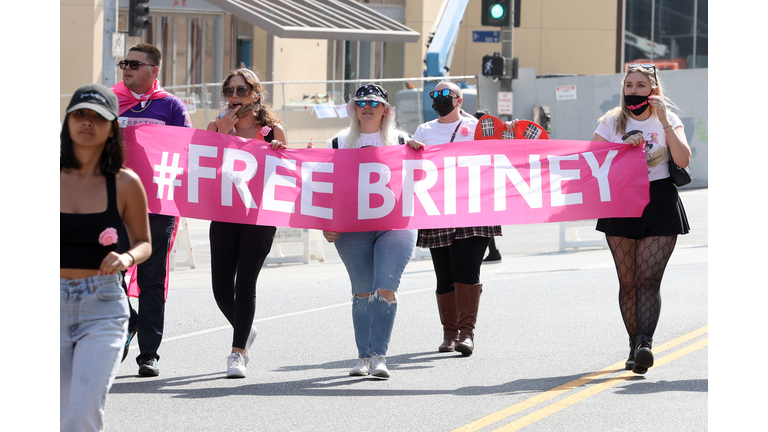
x=640, y=266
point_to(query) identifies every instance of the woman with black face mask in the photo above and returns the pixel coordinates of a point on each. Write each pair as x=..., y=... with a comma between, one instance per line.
x=457, y=253
x=641, y=247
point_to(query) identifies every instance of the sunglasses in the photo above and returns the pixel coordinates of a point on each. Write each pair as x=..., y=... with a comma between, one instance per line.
x=371, y=103
x=443, y=92
x=645, y=66
x=133, y=64
x=229, y=91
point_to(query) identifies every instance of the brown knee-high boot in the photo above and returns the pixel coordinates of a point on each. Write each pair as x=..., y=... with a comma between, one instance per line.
x=467, y=300
x=449, y=317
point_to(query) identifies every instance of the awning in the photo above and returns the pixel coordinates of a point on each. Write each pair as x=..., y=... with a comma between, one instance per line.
x=319, y=19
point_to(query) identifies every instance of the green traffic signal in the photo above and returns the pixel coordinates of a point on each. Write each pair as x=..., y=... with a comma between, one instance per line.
x=497, y=11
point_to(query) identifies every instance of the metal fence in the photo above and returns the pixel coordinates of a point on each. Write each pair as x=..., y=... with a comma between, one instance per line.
x=308, y=109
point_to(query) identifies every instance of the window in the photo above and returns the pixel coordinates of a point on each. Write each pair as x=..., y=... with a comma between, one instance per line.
x=670, y=34
x=188, y=44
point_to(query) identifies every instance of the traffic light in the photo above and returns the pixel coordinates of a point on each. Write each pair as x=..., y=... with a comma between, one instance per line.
x=495, y=13
x=138, y=17
x=493, y=65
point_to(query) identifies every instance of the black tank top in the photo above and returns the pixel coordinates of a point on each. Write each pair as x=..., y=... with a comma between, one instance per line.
x=80, y=247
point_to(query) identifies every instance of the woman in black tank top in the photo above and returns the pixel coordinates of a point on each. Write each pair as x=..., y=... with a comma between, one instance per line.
x=97, y=196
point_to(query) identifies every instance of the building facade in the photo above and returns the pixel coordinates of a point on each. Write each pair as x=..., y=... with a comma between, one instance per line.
x=203, y=39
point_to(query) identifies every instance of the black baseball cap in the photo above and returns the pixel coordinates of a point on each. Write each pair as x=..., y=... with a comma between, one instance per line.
x=95, y=97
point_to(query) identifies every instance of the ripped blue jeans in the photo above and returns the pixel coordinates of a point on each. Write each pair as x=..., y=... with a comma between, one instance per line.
x=375, y=260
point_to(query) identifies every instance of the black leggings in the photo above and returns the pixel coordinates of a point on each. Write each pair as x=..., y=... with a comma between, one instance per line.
x=238, y=252
x=460, y=262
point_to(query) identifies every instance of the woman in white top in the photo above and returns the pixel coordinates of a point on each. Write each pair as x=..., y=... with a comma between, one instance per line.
x=375, y=260
x=641, y=247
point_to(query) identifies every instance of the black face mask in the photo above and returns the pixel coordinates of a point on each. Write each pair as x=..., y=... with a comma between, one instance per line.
x=443, y=105
x=637, y=104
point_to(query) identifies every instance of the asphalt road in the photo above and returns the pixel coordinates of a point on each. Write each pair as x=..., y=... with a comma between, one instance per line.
x=550, y=348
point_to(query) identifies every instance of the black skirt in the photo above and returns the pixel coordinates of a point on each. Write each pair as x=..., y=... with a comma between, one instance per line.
x=663, y=216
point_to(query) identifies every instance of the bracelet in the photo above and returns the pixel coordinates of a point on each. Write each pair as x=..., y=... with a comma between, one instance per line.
x=133, y=260
x=668, y=128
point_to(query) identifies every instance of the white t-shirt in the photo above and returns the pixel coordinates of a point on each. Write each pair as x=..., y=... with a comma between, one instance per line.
x=364, y=140
x=656, y=150
x=434, y=132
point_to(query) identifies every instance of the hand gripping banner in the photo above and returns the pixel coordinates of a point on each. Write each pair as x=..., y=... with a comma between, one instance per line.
x=207, y=175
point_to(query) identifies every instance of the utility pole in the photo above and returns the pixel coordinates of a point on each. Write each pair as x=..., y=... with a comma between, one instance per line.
x=108, y=61
x=504, y=14
x=507, y=49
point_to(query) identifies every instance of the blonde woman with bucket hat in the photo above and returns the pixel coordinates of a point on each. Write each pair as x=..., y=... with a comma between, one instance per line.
x=374, y=260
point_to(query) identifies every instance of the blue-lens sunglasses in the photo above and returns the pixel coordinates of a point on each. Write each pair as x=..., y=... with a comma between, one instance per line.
x=371, y=103
x=443, y=92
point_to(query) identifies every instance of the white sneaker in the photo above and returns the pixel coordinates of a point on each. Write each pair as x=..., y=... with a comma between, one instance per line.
x=361, y=369
x=379, y=366
x=235, y=365
x=251, y=338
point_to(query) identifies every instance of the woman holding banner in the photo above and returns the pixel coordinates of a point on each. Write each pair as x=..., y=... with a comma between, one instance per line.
x=238, y=250
x=375, y=260
x=98, y=196
x=641, y=247
x=457, y=253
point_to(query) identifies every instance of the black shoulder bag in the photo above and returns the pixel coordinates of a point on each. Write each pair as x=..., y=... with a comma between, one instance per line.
x=680, y=176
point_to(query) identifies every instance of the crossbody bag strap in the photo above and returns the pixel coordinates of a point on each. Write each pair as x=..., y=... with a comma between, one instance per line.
x=454, y=132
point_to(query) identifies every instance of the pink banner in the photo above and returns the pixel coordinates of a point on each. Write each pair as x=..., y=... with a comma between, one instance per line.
x=208, y=175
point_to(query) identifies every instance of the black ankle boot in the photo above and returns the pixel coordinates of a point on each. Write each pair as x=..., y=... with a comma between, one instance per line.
x=643, y=355
x=630, y=364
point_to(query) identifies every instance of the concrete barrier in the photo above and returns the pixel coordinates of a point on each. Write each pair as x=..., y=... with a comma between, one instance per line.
x=308, y=238
x=575, y=242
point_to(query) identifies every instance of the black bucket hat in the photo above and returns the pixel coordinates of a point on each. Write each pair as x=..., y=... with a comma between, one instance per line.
x=369, y=92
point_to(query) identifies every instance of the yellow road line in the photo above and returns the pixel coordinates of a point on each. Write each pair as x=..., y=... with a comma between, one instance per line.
x=597, y=388
x=543, y=397
x=557, y=391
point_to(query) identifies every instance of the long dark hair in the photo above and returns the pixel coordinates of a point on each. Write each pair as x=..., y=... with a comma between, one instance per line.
x=112, y=157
